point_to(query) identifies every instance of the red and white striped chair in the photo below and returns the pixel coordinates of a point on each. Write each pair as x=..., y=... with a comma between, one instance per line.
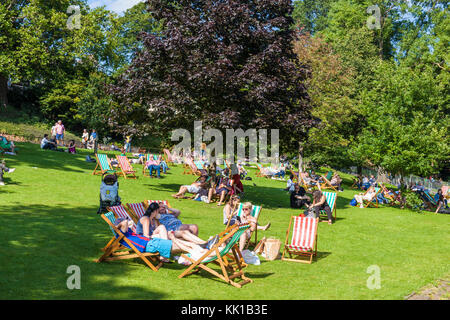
x=165, y=202
x=303, y=241
x=125, y=167
x=121, y=212
x=138, y=209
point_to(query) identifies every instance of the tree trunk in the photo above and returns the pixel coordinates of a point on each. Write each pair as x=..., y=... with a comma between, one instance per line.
x=3, y=91
x=300, y=157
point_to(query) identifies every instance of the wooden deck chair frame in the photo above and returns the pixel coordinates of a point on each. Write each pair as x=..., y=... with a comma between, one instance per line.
x=296, y=255
x=370, y=202
x=193, y=168
x=249, y=241
x=123, y=162
x=327, y=184
x=115, y=250
x=231, y=264
x=296, y=176
x=332, y=206
x=261, y=174
x=386, y=193
x=145, y=171
x=102, y=170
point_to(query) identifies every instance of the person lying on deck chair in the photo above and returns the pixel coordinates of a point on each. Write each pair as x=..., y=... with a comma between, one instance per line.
x=169, y=218
x=247, y=217
x=193, y=188
x=367, y=196
x=336, y=181
x=161, y=241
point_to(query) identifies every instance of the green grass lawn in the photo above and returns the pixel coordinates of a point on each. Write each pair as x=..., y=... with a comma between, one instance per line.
x=49, y=222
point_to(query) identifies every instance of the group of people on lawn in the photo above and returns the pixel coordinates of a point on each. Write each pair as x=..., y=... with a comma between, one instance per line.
x=214, y=182
x=160, y=230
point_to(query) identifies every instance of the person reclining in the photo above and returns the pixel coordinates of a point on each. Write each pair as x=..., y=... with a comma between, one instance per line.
x=169, y=218
x=4, y=168
x=161, y=241
x=367, y=196
x=336, y=181
x=193, y=188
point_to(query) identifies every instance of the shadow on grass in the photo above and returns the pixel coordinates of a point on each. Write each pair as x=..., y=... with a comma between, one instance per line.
x=42, y=241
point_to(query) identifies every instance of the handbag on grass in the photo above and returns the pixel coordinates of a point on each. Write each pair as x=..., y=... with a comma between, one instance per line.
x=272, y=248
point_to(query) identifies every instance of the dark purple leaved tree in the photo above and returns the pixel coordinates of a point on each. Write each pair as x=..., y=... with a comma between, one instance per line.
x=228, y=63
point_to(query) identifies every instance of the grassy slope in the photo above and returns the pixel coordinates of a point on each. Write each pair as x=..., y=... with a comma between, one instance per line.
x=49, y=222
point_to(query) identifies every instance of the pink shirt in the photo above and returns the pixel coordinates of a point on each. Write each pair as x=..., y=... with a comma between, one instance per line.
x=59, y=128
x=151, y=162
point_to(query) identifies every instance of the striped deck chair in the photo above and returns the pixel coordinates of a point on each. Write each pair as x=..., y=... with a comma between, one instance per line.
x=430, y=200
x=200, y=165
x=125, y=167
x=138, y=209
x=165, y=202
x=331, y=200
x=121, y=247
x=231, y=263
x=327, y=184
x=296, y=176
x=256, y=210
x=167, y=156
x=191, y=168
x=374, y=201
x=303, y=241
x=386, y=194
x=445, y=192
x=121, y=212
x=103, y=164
x=261, y=171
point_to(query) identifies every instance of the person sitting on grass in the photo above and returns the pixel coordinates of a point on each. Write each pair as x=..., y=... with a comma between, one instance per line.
x=319, y=203
x=193, y=188
x=161, y=241
x=222, y=189
x=299, y=197
x=440, y=200
x=4, y=168
x=47, y=144
x=290, y=185
x=71, y=147
x=7, y=145
x=246, y=217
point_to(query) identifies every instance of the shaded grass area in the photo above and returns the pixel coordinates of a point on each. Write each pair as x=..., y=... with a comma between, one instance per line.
x=49, y=222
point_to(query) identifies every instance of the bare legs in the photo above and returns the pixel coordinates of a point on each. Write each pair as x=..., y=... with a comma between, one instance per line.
x=187, y=235
x=181, y=192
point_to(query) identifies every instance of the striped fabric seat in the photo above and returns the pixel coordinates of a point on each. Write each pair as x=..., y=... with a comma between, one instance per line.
x=121, y=212
x=331, y=200
x=165, y=202
x=303, y=234
x=255, y=211
x=103, y=164
x=137, y=208
x=125, y=164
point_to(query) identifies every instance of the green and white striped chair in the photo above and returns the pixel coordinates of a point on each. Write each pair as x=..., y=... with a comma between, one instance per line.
x=228, y=261
x=331, y=200
x=120, y=247
x=256, y=210
x=103, y=164
x=374, y=200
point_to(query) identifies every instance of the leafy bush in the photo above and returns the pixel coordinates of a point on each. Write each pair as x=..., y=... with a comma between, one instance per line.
x=413, y=201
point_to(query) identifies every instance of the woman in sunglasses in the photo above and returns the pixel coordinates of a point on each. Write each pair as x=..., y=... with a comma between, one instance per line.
x=246, y=217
